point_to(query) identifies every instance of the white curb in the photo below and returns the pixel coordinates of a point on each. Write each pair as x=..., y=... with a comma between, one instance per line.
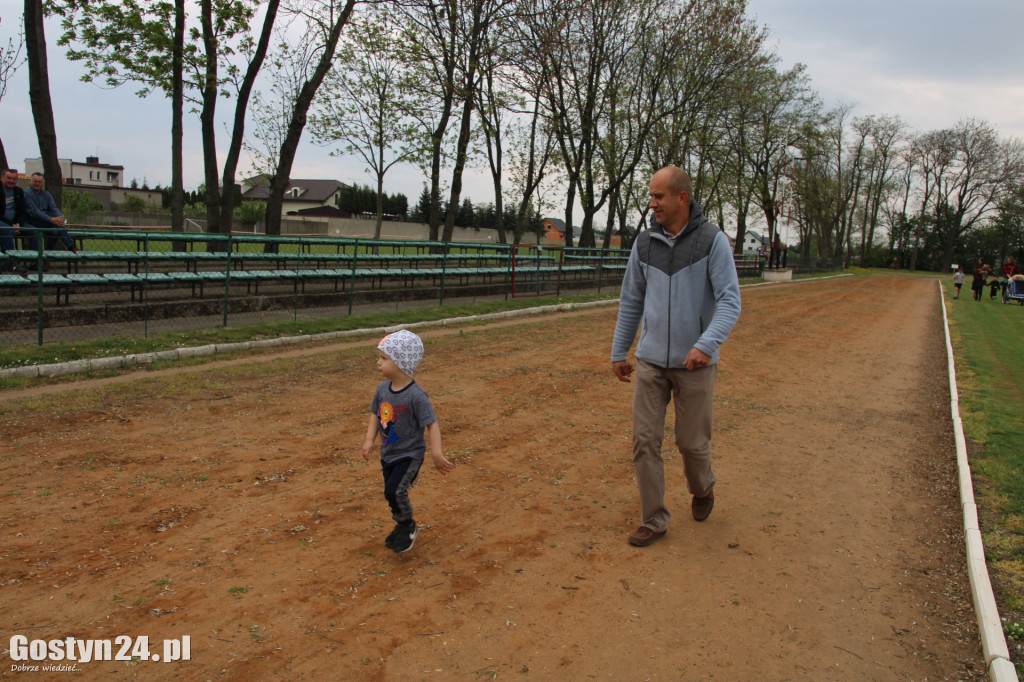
x=118, y=362
x=993, y=641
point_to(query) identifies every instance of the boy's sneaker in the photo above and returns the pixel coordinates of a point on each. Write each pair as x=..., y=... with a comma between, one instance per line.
x=389, y=541
x=405, y=539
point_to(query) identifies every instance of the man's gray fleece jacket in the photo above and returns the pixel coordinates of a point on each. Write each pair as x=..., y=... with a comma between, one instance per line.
x=685, y=291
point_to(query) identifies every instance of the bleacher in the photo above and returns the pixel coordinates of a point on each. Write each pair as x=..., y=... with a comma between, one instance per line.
x=161, y=265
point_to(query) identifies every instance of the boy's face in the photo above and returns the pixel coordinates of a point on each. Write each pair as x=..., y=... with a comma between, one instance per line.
x=387, y=366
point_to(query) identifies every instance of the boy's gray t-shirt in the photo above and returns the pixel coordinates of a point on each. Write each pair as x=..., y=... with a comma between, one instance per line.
x=401, y=418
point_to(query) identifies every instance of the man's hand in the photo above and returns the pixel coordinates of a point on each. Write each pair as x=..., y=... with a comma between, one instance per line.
x=696, y=358
x=622, y=370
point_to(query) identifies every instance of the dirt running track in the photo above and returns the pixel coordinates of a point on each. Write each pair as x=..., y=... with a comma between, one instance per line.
x=230, y=503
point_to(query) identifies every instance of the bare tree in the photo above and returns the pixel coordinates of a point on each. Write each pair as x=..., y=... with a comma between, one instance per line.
x=366, y=104
x=39, y=94
x=10, y=60
x=886, y=134
x=448, y=42
x=325, y=20
x=968, y=170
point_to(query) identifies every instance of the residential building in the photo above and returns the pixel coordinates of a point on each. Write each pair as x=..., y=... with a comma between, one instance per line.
x=753, y=242
x=554, y=233
x=299, y=196
x=91, y=173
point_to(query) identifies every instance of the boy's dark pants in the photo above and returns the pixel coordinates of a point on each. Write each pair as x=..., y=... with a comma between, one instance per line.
x=398, y=478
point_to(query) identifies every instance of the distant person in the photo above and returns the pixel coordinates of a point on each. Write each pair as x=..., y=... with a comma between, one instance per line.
x=44, y=213
x=995, y=287
x=1010, y=269
x=15, y=213
x=400, y=411
x=681, y=282
x=978, y=283
x=958, y=281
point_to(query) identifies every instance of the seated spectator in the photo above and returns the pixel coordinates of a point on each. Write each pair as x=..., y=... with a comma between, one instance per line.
x=44, y=214
x=13, y=214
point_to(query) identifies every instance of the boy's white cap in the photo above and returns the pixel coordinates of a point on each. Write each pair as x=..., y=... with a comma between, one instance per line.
x=404, y=348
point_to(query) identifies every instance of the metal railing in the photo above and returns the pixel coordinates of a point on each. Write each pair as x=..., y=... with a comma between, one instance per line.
x=125, y=282
x=138, y=282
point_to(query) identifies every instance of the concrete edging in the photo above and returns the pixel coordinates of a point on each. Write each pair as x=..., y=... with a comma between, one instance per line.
x=990, y=627
x=123, y=361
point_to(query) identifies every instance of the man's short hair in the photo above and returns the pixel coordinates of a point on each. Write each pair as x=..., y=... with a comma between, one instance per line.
x=679, y=181
x=11, y=170
x=39, y=174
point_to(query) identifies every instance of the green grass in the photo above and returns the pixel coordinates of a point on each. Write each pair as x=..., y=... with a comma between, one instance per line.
x=65, y=351
x=989, y=353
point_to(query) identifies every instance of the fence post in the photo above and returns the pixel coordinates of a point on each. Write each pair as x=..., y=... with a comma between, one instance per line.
x=40, y=306
x=145, y=287
x=509, y=265
x=444, y=269
x=538, y=268
x=558, y=276
x=227, y=281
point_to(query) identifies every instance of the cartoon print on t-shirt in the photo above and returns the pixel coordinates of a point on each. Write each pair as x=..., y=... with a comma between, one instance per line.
x=388, y=416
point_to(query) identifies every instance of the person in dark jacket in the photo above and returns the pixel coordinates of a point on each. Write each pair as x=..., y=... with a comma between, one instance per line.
x=14, y=215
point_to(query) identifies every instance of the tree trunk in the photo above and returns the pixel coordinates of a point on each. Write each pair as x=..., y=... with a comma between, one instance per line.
x=177, y=122
x=380, y=203
x=279, y=182
x=461, y=154
x=227, y=199
x=39, y=95
x=211, y=88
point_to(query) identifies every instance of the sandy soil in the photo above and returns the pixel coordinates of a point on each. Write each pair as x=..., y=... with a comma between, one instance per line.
x=230, y=503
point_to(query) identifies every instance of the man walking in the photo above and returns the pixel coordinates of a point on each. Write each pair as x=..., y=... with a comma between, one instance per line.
x=681, y=281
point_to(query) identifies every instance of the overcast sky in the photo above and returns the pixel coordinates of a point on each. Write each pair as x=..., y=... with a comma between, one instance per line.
x=932, y=62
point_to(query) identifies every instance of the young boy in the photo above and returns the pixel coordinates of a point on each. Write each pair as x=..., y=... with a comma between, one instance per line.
x=400, y=411
x=958, y=281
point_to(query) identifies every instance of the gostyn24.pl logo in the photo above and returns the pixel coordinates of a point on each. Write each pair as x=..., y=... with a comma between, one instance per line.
x=65, y=654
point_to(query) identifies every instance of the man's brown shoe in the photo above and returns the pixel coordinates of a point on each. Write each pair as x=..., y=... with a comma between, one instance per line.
x=702, y=506
x=644, y=536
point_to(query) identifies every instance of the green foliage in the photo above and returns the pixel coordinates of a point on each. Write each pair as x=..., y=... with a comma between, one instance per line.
x=130, y=41
x=136, y=204
x=359, y=200
x=77, y=204
x=421, y=213
x=250, y=211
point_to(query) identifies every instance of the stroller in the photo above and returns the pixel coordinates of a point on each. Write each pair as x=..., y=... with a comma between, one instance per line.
x=1014, y=290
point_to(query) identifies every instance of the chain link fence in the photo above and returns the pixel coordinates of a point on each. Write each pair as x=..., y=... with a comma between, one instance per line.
x=136, y=282
x=106, y=283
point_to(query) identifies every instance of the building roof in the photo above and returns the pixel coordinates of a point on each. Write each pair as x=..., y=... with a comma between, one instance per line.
x=560, y=226
x=312, y=191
